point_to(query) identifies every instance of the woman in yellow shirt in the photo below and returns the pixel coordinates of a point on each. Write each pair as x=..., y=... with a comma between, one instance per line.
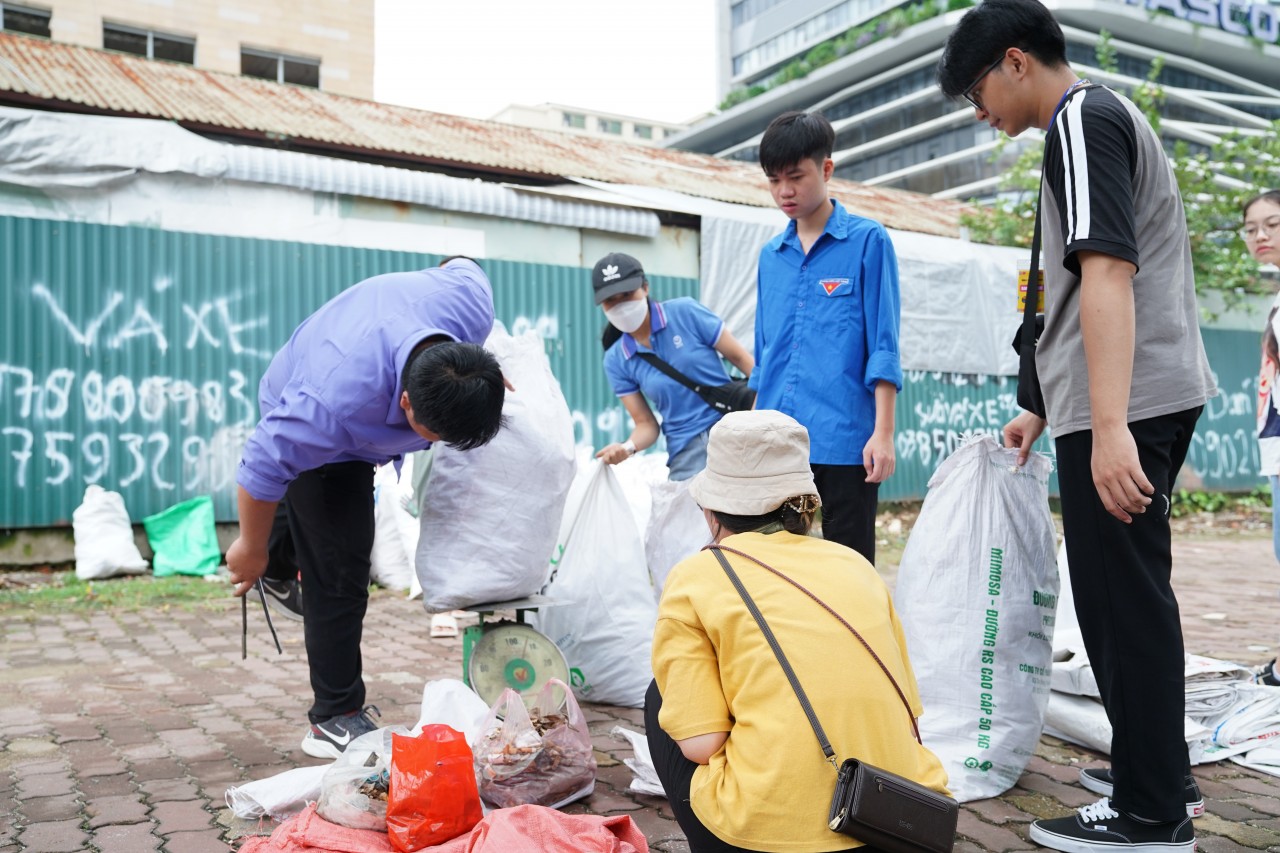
x=739, y=761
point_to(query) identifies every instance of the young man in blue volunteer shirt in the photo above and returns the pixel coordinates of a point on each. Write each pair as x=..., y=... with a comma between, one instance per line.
x=386, y=367
x=826, y=342
x=1124, y=377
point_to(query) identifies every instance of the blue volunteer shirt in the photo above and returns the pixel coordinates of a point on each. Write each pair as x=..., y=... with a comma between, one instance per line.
x=827, y=332
x=683, y=333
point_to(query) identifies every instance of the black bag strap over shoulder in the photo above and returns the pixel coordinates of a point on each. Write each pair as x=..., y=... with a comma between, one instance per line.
x=818, y=731
x=666, y=368
x=1028, y=349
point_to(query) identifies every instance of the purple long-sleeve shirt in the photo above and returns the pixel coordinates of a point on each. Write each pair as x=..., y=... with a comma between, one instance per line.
x=332, y=394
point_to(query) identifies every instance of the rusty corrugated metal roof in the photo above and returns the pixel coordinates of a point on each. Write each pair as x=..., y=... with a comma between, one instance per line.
x=36, y=71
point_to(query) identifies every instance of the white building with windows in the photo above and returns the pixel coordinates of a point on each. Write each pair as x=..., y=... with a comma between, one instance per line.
x=868, y=65
x=323, y=44
x=581, y=121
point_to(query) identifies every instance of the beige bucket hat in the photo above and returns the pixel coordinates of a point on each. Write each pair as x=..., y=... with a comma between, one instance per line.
x=756, y=460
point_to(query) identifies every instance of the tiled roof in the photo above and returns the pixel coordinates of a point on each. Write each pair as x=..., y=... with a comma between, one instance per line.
x=36, y=71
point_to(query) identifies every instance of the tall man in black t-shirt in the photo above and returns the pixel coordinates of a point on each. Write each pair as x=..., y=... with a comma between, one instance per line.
x=1124, y=377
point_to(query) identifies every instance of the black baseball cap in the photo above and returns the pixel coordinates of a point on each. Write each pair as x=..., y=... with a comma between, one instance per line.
x=616, y=273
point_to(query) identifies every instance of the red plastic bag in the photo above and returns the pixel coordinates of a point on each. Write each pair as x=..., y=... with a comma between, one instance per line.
x=432, y=795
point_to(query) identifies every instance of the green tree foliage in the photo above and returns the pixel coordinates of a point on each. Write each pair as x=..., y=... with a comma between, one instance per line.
x=1213, y=183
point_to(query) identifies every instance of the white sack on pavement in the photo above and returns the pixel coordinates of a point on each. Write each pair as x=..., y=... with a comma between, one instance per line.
x=390, y=565
x=976, y=592
x=104, y=539
x=488, y=524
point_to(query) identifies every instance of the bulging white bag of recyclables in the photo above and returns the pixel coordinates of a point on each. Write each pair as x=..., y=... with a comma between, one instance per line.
x=606, y=631
x=104, y=539
x=976, y=593
x=489, y=520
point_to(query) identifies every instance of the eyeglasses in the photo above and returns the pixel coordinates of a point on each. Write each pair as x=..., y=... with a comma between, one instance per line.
x=1249, y=233
x=968, y=95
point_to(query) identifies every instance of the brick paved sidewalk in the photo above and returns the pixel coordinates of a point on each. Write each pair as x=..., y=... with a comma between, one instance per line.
x=119, y=732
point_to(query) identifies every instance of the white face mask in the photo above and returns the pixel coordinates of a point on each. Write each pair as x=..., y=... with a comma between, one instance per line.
x=628, y=316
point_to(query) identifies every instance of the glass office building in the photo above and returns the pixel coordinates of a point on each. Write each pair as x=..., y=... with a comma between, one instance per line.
x=868, y=65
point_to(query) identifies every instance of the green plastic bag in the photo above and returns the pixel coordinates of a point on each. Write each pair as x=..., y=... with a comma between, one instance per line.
x=184, y=539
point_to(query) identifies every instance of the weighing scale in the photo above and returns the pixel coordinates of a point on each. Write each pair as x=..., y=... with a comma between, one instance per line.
x=501, y=654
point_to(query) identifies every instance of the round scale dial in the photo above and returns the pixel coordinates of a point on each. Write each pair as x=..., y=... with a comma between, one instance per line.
x=513, y=654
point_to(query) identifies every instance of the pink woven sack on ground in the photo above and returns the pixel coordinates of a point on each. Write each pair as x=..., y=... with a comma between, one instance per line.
x=522, y=829
x=537, y=829
x=310, y=833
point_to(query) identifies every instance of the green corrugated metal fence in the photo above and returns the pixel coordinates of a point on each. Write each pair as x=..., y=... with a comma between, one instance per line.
x=130, y=358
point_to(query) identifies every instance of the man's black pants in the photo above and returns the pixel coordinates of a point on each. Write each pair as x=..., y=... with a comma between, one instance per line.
x=848, y=507
x=324, y=528
x=1120, y=577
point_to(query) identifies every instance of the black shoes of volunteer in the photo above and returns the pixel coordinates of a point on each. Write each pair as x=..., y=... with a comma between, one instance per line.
x=329, y=739
x=1099, y=827
x=284, y=597
x=1266, y=674
x=1098, y=780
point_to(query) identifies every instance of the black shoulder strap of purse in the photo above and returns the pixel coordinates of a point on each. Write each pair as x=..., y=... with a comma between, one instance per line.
x=672, y=372
x=1028, y=348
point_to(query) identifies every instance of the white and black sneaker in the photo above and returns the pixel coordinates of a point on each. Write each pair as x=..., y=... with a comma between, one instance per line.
x=329, y=739
x=1266, y=674
x=284, y=597
x=1099, y=827
x=1098, y=780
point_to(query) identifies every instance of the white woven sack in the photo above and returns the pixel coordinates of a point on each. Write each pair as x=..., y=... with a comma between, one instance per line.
x=104, y=538
x=976, y=593
x=488, y=523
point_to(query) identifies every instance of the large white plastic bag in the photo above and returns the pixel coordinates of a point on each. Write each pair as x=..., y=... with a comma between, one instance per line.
x=390, y=564
x=677, y=530
x=488, y=523
x=606, y=632
x=450, y=702
x=280, y=796
x=366, y=759
x=976, y=593
x=104, y=539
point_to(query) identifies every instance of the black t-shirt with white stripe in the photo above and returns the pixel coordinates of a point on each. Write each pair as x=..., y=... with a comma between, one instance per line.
x=1109, y=188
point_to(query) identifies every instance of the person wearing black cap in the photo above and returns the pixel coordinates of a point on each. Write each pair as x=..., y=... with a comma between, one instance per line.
x=680, y=332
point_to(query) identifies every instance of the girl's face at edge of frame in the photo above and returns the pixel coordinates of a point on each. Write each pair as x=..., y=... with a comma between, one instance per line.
x=1264, y=215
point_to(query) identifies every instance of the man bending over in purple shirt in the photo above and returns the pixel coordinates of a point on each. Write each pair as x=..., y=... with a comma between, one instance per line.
x=384, y=368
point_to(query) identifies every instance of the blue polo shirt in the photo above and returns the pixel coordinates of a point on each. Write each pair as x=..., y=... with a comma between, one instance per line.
x=827, y=332
x=683, y=333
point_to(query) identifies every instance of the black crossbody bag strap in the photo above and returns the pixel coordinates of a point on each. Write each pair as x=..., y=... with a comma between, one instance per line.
x=1032, y=302
x=782, y=659
x=672, y=372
